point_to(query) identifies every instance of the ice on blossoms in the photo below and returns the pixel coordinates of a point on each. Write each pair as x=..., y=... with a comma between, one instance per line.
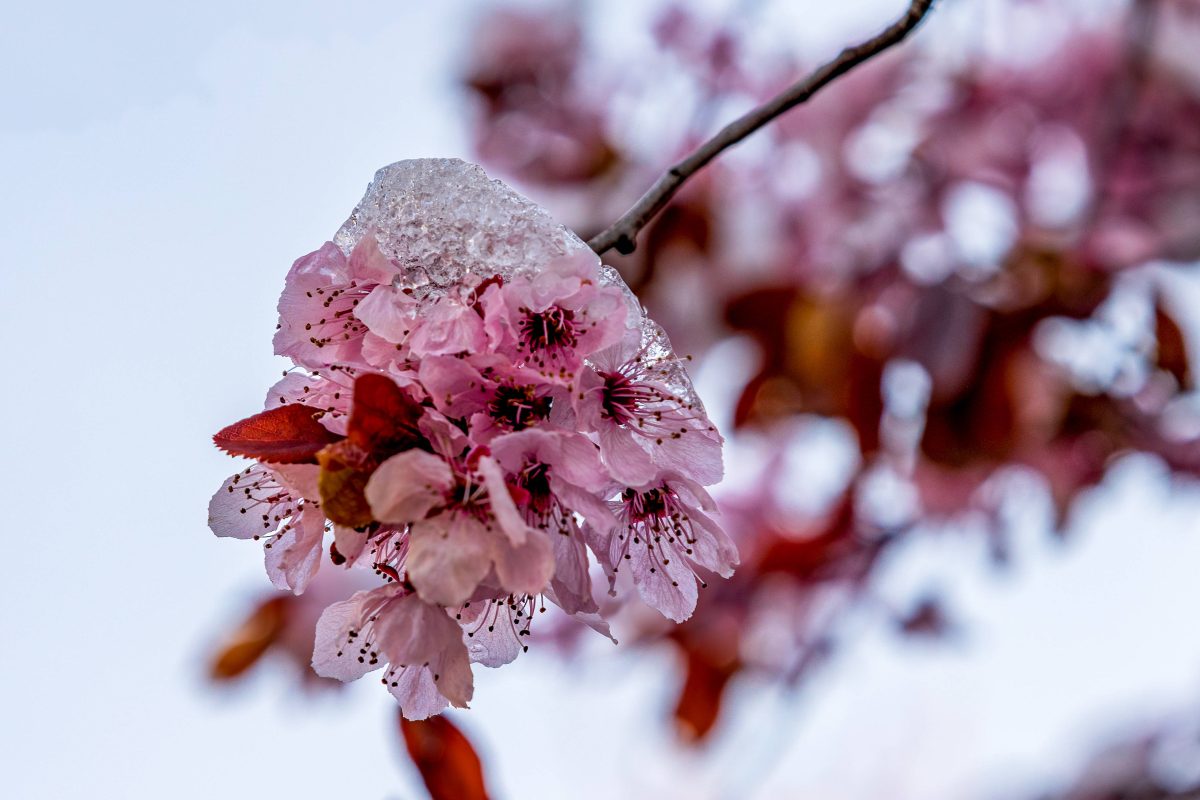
x=482, y=416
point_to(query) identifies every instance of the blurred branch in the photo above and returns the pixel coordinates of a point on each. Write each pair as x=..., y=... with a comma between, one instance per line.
x=623, y=233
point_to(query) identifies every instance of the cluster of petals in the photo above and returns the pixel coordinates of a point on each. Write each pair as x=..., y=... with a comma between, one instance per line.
x=471, y=445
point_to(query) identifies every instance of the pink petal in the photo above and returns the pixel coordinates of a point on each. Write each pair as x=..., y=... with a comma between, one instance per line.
x=406, y=486
x=626, y=460
x=367, y=262
x=335, y=652
x=249, y=504
x=292, y=557
x=525, y=568
x=448, y=556
x=511, y=523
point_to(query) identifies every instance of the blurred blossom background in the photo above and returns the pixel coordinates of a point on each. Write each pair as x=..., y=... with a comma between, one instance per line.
x=945, y=315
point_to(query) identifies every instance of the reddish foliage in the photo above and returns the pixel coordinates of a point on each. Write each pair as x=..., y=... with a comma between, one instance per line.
x=699, y=702
x=830, y=549
x=383, y=422
x=252, y=639
x=383, y=419
x=445, y=758
x=289, y=434
x=1172, y=354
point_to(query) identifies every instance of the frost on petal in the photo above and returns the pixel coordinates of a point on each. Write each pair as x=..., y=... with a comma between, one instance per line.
x=406, y=486
x=448, y=556
x=293, y=556
x=444, y=223
x=448, y=326
x=440, y=220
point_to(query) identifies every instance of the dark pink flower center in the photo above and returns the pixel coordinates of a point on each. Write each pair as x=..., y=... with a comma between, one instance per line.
x=518, y=407
x=551, y=329
x=535, y=479
x=622, y=398
x=468, y=497
x=642, y=506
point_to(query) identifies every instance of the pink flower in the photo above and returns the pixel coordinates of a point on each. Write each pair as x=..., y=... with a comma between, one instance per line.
x=489, y=392
x=463, y=525
x=448, y=325
x=317, y=322
x=666, y=533
x=552, y=321
x=559, y=475
x=427, y=664
x=644, y=427
x=275, y=504
x=467, y=424
x=328, y=391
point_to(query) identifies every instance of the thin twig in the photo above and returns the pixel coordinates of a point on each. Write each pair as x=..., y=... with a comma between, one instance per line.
x=623, y=233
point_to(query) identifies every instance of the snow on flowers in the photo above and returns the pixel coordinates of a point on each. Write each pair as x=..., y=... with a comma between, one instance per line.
x=477, y=403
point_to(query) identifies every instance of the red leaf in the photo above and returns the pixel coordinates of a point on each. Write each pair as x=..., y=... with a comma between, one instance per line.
x=252, y=639
x=699, y=702
x=445, y=758
x=1172, y=348
x=383, y=422
x=831, y=548
x=383, y=419
x=289, y=434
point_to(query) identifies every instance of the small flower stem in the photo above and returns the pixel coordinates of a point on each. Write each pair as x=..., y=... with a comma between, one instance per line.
x=623, y=233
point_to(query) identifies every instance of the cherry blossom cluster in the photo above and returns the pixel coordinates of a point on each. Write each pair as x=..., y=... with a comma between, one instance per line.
x=471, y=444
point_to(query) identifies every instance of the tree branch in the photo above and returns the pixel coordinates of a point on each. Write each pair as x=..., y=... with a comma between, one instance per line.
x=623, y=233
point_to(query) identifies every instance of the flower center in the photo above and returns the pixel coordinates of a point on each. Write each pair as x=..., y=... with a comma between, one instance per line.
x=646, y=505
x=468, y=496
x=551, y=329
x=622, y=398
x=518, y=407
x=535, y=479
